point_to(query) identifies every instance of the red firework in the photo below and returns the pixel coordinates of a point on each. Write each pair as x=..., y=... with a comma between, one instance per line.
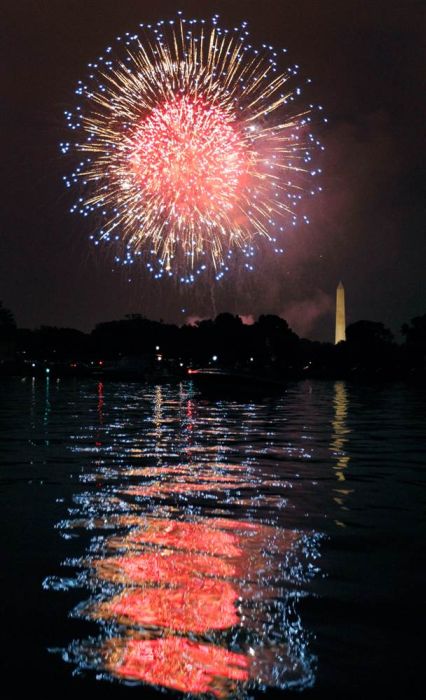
x=188, y=154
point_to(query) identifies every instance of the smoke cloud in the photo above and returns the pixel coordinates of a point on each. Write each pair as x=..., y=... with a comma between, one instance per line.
x=303, y=316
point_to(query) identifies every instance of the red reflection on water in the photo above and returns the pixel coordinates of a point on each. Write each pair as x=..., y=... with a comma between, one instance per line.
x=199, y=605
x=178, y=663
x=100, y=402
x=176, y=581
x=189, y=416
x=159, y=567
x=188, y=536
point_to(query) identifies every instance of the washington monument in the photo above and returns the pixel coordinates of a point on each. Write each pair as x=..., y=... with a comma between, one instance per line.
x=340, y=314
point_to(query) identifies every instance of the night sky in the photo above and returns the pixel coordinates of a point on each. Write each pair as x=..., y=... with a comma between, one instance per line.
x=367, y=63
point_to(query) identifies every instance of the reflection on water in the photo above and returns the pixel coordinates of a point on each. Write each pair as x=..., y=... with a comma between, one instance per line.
x=215, y=547
x=339, y=442
x=340, y=431
x=187, y=567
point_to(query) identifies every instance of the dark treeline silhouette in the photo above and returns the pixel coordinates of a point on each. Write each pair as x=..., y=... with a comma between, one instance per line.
x=268, y=346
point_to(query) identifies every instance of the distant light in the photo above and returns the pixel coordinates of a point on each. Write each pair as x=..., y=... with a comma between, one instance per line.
x=214, y=358
x=159, y=358
x=47, y=370
x=252, y=359
x=157, y=347
x=180, y=364
x=33, y=364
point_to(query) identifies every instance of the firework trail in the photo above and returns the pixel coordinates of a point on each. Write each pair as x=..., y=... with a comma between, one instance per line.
x=190, y=148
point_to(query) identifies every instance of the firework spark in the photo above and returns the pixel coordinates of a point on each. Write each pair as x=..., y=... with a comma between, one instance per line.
x=190, y=147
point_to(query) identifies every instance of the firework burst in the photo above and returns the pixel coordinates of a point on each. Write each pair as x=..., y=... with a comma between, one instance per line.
x=190, y=147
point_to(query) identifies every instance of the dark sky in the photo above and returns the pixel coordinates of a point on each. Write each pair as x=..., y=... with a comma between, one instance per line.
x=367, y=63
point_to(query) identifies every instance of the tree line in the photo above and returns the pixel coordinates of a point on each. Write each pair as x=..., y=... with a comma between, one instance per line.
x=269, y=344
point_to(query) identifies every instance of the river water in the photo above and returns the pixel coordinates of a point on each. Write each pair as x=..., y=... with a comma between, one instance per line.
x=156, y=541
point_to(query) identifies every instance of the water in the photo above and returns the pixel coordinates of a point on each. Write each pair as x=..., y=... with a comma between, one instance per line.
x=153, y=537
